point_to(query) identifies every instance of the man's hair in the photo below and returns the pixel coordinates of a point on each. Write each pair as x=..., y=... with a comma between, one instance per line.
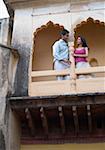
x=64, y=32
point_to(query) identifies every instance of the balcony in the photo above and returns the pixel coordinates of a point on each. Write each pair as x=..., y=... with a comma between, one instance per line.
x=42, y=79
x=41, y=87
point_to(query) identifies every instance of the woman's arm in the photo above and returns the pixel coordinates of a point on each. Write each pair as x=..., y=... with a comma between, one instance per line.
x=82, y=55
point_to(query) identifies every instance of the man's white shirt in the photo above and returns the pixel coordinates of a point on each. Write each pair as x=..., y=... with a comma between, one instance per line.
x=60, y=50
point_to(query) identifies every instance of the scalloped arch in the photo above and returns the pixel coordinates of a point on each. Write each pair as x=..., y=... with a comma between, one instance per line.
x=44, y=27
x=49, y=24
x=93, y=31
x=89, y=20
x=48, y=33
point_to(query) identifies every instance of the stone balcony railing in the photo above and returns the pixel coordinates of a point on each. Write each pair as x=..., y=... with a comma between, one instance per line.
x=94, y=83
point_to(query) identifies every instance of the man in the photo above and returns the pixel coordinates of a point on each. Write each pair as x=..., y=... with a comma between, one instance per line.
x=61, y=54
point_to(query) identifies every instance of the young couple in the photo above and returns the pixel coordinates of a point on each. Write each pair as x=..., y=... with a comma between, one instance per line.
x=61, y=53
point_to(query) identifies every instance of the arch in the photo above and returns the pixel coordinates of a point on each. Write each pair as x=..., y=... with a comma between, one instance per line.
x=44, y=37
x=94, y=33
x=89, y=21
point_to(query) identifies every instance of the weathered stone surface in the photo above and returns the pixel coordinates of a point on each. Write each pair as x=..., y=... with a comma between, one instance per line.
x=2, y=141
x=4, y=29
x=4, y=61
x=5, y=66
x=21, y=82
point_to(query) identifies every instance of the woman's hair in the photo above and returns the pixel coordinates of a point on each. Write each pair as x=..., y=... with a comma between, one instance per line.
x=84, y=44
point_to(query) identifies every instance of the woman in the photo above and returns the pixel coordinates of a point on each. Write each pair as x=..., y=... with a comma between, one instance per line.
x=81, y=54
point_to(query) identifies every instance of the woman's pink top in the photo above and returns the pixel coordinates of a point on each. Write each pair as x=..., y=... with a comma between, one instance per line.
x=80, y=59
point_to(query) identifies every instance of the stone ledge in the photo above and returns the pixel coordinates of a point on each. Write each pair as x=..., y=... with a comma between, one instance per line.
x=13, y=50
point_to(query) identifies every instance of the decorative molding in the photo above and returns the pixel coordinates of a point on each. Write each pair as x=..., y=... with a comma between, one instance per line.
x=49, y=24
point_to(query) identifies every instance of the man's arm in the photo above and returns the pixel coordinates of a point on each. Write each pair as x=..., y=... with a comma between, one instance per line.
x=56, y=51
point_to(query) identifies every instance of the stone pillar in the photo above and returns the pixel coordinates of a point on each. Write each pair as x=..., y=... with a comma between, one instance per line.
x=14, y=132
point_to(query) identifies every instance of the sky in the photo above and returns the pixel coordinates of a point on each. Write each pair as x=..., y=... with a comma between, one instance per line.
x=3, y=10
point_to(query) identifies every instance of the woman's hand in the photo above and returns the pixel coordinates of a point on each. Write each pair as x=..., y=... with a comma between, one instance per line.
x=72, y=53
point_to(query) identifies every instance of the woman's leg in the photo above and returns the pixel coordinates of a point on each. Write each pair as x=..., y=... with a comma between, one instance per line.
x=83, y=65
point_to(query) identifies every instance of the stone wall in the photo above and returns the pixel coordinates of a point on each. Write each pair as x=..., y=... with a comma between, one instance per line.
x=4, y=30
x=2, y=141
x=4, y=61
x=6, y=81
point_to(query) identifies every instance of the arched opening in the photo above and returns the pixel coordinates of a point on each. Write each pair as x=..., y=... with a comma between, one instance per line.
x=44, y=38
x=94, y=33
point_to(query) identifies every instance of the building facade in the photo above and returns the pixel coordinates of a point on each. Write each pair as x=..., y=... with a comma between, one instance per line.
x=40, y=109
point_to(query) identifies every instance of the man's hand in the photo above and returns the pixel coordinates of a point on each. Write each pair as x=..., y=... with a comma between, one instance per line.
x=67, y=61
